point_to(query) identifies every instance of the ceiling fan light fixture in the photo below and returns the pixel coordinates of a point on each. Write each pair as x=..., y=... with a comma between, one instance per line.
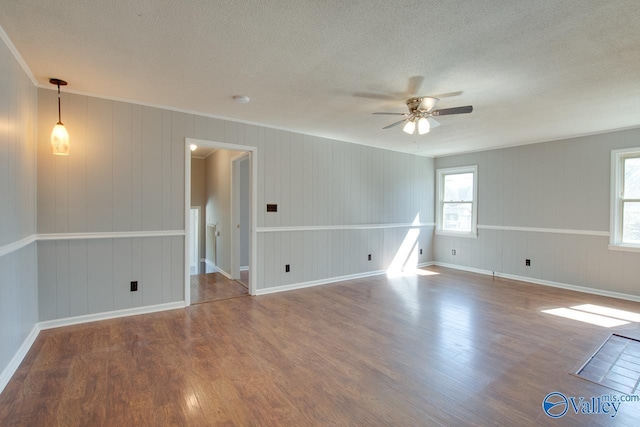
x=410, y=127
x=423, y=125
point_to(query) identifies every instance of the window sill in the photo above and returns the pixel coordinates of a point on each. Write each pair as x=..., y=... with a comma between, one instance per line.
x=624, y=248
x=472, y=235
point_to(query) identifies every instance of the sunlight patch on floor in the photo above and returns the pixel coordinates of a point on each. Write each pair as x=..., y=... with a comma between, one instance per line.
x=582, y=316
x=608, y=311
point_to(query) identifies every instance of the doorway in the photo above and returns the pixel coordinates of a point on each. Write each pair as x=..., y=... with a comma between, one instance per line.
x=220, y=179
x=241, y=218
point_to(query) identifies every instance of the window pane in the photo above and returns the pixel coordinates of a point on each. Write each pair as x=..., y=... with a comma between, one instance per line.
x=631, y=223
x=458, y=187
x=632, y=178
x=457, y=216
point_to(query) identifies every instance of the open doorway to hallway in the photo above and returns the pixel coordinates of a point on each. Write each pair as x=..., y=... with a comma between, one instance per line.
x=219, y=224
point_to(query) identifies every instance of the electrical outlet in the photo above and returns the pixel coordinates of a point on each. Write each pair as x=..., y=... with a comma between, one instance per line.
x=453, y=251
x=420, y=251
x=134, y=286
x=527, y=262
x=369, y=257
x=286, y=268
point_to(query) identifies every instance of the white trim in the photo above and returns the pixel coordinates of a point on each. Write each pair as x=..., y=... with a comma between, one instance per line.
x=550, y=283
x=110, y=235
x=541, y=141
x=210, y=264
x=329, y=280
x=7, y=41
x=624, y=248
x=17, y=358
x=545, y=230
x=225, y=118
x=440, y=173
x=464, y=235
x=617, y=199
x=217, y=269
x=68, y=321
x=343, y=227
x=224, y=273
x=17, y=245
x=244, y=268
x=187, y=207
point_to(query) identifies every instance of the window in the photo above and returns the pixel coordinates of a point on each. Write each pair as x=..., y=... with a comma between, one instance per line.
x=625, y=200
x=457, y=210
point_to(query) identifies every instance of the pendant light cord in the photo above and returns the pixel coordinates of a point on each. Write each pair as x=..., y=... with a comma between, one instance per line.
x=59, y=120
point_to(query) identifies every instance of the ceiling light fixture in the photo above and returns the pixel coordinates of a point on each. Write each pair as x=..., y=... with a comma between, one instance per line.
x=423, y=125
x=410, y=127
x=241, y=99
x=59, y=135
x=193, y=147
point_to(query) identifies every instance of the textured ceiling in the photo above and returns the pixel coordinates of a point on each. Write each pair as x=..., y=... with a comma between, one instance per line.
x=534, y=70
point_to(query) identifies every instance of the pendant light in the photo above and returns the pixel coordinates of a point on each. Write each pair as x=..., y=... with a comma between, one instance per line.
x=59, y=135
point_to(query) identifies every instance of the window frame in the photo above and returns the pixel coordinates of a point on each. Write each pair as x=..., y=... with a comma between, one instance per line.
x=617, y=199
x=440, y=175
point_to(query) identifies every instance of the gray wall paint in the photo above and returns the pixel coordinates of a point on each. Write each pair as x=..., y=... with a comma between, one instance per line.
x=126, y=173
x=245, y=213
x=560, y=185
x=18, y=282
x=199, y=197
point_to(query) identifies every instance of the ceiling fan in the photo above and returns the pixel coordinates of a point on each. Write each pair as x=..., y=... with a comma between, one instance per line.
x=422, y=113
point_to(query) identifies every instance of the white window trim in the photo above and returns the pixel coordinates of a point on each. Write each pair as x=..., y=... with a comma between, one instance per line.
x=615, y=216
x=440, y=173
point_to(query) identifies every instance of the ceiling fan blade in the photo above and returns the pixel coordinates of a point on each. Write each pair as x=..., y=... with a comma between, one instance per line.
x=393, y=114
x=379, y=96
x=414, y=85
x=455, y=110
x=428, y=103
x=433, y=123
x=447, y=95
x=394, y=124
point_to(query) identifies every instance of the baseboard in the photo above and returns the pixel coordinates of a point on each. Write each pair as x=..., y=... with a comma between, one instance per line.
x=244, y=268
x=17, y=358
x=68, y=321
x=550, y=283
x=224, y=273
x=329, y=280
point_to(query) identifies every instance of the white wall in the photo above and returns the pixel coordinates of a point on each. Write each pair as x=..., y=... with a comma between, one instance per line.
x=560, y=185
x=18, y=286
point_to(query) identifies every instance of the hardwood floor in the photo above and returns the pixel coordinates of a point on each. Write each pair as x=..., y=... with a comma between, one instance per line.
x=450, y=348
x=213, y=287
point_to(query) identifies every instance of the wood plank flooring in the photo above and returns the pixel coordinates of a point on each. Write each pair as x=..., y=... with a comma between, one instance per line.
x=214, y=286
x=450, y=348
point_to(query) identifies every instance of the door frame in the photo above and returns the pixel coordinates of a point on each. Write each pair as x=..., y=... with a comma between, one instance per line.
x=235, y=214
x=253, y=201
x=198, y=233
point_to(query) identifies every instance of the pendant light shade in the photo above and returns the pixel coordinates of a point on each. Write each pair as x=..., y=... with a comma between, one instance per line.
x=60, y=140
x=59, y=136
